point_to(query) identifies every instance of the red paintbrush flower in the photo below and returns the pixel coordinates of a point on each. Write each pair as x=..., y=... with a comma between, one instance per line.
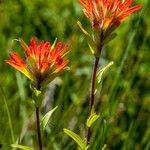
x=105, y=13
x=44, y=61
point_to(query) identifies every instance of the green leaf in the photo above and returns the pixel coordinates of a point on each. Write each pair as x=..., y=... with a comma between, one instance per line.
x=101, y=72
x=37, y=95
x=37, y=92
x=67, y=68
x=76, y=138
x=90, y=40
x=21, y=147
x=109, y=38
x=91, y=48
x=93, y=117
x=83, y=30
x=104, y=147
x=54, y=43
x=46, y=118
x=100, y=75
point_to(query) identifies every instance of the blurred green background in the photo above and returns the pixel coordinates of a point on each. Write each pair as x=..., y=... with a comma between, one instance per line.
x=123, y=100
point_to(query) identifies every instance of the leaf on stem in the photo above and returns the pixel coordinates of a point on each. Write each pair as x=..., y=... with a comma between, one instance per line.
x=104, y=147
x=101, y=72
x=91, y=49
x=46, y=118
x=21, y=147
x=89, y=39
x=36, y=92
x=109, y=38
x=77, y=139
x=93, y=117
x=83, y=30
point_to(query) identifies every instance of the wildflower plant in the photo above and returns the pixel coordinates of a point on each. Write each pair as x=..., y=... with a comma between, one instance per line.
x=44, y=63
x=105, y=16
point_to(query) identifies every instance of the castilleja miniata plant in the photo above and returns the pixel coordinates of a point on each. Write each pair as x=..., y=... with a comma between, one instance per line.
x=105, y=16
x=44, y=63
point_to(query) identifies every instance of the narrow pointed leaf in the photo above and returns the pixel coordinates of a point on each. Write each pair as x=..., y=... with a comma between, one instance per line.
x=76, y=138
x=101, y=72
x=100, y=75
x=89, y=39
x=54, y=43
x=109, y=38
x=92, y=51
x=46, y=119
x=93, y=117
x=87, y=147
x=104, y=147
x=21, y=147
x=81, y=27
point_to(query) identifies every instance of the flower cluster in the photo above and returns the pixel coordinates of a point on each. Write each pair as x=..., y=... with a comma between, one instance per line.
x=105, y=16
x=105, y=13
x=44, y=61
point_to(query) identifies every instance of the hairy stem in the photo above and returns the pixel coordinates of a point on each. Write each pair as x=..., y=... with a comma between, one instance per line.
x=92, y=94
x=38, y=128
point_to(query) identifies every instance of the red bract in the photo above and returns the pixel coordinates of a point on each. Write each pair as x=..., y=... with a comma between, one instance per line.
x=105, y=13
x=44, y=61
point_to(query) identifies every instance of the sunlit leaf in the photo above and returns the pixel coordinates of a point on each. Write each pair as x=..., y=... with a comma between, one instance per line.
x=37, y=92
x=21, y=147
x=100, y=75
x=89, y=39
x=81, y=27
x=54, y=43
x=100, y=72
x=91, y=48
x=76, y=138
x=104, y=147
x=93, y=117
x=46, y=118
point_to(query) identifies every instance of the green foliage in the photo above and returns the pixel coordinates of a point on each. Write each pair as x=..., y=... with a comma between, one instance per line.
x=124, y=100
x=88, y=37
x=92, y=118
x=101, y=71
x=104, y=147
x=21, y=147
x=100, y=75
x=46, y=118
x=77, y=139
x=109, y=38
x=37, y=96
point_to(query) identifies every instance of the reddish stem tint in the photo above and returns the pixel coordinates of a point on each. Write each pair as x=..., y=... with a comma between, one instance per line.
x=92, y=94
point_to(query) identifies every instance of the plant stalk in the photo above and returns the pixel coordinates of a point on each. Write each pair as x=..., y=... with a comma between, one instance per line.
x=92, y=95
x=38, y=128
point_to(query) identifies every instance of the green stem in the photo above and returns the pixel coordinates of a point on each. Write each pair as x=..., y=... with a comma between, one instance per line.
x=37, y=104
x=38, y=128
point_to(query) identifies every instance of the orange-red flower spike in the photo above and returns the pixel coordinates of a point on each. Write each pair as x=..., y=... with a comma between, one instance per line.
x=105, y=13
x=44, y=62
